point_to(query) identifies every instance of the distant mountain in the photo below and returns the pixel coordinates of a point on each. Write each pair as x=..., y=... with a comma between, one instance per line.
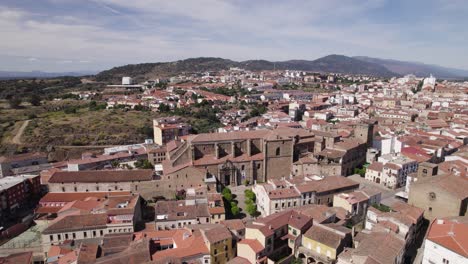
x=331, y=63
x=40, y=74
x=416, y=68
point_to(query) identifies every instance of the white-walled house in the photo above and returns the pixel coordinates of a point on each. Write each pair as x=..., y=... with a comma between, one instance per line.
x=446, y=241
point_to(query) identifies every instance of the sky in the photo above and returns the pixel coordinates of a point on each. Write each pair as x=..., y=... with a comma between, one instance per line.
x=92, y=35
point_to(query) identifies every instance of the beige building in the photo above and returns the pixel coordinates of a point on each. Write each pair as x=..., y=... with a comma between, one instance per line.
x=167, y=129
x=273, y=237
x=232, y=158
x=323, y=243
x=279, y=195
x=357, y=202
x=440, y=196
x=93, y=218
x=136, y=181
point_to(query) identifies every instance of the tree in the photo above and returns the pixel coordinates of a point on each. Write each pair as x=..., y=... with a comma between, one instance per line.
x=163, y=108
x=143, y=164
x=360, y=171
x=15, y=102
x=227, y=194
x=234, y=209
x=251, y=208
x=250, y=195
x=296, y=261
x=35, y=100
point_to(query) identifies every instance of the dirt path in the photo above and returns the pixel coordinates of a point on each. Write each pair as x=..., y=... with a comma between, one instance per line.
x=17, y=138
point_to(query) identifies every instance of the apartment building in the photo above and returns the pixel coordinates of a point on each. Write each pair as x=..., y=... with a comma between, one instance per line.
x=279, y=195
x=391, y=170
x=273, y=237
x=93, y=218
x=446, y=241
x=167, y=129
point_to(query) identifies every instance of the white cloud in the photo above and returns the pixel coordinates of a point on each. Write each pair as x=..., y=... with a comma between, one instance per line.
x=161, y=30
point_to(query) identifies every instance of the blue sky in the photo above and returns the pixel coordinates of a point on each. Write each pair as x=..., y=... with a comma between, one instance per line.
x=73, y=35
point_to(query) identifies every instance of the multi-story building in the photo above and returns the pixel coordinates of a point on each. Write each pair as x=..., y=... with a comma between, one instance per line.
x=279, y=195
x=232, y=158
x=446, y=241
x=138, y=181
x=178, y=214
x=357, y=202
x=220, y=244
x=375, y=247
x=157, y=155
x=391, y=171
x=208, y=243
x=404, y=220
x=440, y=196
x=323, y=243
x=17, y=191
x=169, y=128
x=333, y=155
x=93, y=218
x=273, y=237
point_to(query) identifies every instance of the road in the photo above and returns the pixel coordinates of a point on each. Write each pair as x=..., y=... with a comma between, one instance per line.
x=388, y=195
x=17, y=138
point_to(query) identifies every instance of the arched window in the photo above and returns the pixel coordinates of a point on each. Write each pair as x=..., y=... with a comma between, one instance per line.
x=277, y=151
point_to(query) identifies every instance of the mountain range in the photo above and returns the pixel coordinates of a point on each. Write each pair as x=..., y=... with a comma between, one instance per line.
x=331, y=63
x=41, y=74
x=417, y=68
x=328, y=64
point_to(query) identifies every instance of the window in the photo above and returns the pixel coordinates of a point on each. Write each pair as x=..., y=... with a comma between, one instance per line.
x=66, y=236
x=85, y=234
x=73, y=235
x=94, y=233
x=277, y=151
x=63, y=189
x=59, y=237
x=430, y=209
x=445, y=261
x=51, y=237
x=76, y=189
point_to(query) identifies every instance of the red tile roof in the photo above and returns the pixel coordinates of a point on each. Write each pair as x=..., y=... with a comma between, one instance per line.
x=253, y=244
x=451, y=234
x=101, y=176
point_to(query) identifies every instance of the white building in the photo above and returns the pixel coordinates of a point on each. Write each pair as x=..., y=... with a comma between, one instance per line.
x=430, y=81
x=127, y=81
x=387, y=144
x=446, y=242
x=391, y=170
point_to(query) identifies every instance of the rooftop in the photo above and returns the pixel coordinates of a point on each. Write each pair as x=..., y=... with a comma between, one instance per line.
x=451, y=233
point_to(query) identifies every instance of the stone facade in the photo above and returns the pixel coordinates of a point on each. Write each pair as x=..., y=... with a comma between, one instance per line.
x=236, y=157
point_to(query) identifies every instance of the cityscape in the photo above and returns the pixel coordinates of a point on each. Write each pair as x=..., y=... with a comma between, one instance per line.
x=218, y=158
